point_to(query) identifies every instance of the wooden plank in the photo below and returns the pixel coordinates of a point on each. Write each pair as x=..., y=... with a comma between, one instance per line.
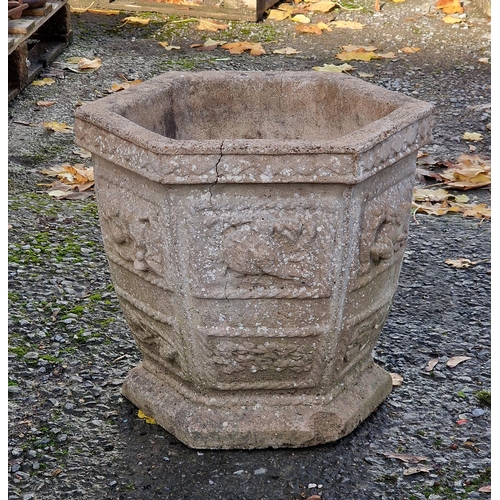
x=21, y=26
x=41, y=11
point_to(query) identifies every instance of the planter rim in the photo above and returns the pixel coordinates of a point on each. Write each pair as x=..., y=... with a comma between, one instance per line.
x=105, y=114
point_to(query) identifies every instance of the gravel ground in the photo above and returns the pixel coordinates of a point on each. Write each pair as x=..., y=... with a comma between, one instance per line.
x=70, y=432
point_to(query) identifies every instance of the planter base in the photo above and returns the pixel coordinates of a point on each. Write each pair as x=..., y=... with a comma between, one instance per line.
x=268, y=425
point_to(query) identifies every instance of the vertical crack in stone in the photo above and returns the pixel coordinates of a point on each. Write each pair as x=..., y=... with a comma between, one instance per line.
x=216, y=172
x=212, y=206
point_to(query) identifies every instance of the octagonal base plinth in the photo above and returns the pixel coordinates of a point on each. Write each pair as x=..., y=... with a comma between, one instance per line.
x=266, y=424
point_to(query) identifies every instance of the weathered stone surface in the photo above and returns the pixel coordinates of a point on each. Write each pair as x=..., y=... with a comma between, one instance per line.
x=255, y=225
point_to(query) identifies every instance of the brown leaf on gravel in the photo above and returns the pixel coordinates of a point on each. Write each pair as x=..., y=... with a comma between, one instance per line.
x=278, y=14
x=323, y=6
x=409, y=459
x=116, y=87
x=316, y=29
x=314, y=497
x=468, y=172
x=452, y=20
x=45, y=104
x=73, y=181
x=42, y=82
x=461, y=263
x=255, y=49
x=58, y=127
x=431, y=364
x=357, y=55
x=416, y=470
x=410, y=50
x=485, y=489
x=352, y=25
x=210, y=25
x=450, y=6
x=455, y=360
x=148, y=419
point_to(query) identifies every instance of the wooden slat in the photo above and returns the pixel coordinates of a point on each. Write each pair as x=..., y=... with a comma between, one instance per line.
x=21, y=26
x=41, y=11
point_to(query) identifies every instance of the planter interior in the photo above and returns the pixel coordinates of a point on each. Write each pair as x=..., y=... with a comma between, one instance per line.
x=255, y=225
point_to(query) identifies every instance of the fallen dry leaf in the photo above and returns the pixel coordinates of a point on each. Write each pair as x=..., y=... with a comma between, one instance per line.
x=309, y=28
x=352, y=25
x=432, y=195
x=485, y=489
x=452, y=19
x=316, y=29
x=332, y=68
x=352, y=48
x=278, y=15
x=208, y=45
x=357, y=55
x=410, y=50
x=82, y=64
x=450, y=6
x=417, y=469
x=85, y=63
x=323, y=6
x=255, y=49
x=472, y=136
x=44, y=81
x=210, y=25
x=166, y=46
x=409, y=459
x=137, y=21
x=397, y=379
x=431, y=364
x=440, y=202
x=480, y=211
x=45, y=104
x=149, y=420
x=116, y=87
x=461, y=263
x=387, y=55
x=455, y=360
x=286, y=51
x=365, y=75
x=468, y=172
x=300, y=18
x=58, y=127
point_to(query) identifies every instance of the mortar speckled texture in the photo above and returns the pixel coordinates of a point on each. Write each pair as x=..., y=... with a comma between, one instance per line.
x=255, y=224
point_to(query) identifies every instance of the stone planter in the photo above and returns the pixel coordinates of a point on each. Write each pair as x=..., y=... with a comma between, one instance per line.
x=255, y=225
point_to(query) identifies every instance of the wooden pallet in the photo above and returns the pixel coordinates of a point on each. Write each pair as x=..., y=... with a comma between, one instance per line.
x=35, y=40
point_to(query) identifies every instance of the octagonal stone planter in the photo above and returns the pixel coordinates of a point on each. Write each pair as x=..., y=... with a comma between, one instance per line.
x=255, y=224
